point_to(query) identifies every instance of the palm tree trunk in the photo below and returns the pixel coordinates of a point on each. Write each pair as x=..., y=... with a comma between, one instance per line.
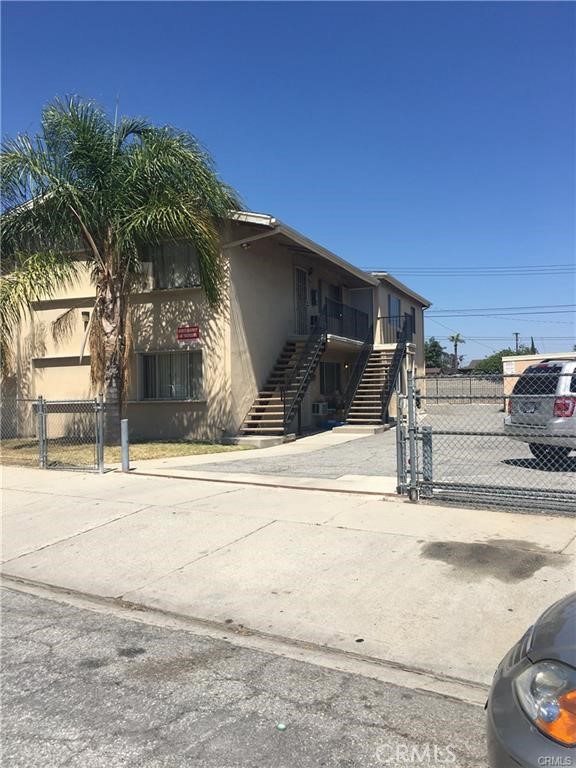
x=455, y=362
x=111, y=312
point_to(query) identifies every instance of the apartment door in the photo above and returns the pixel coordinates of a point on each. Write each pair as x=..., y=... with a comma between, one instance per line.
x=301, y=301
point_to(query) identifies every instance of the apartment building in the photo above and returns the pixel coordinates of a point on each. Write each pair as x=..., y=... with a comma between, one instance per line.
x=303, y=339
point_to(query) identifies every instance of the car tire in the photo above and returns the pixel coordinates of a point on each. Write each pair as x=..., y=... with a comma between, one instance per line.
x=549, y=454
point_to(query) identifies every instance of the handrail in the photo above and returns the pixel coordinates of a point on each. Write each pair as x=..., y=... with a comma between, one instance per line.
x=303, y=367
x=358, y=370
x=404, y=334
x=394, y=327
x=345, y=320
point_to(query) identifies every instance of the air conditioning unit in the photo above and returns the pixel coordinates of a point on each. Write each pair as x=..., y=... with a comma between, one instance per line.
x=319, y=409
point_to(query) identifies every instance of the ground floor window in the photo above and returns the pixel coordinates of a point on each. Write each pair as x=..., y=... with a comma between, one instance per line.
x=171, y=376
x=330, y=382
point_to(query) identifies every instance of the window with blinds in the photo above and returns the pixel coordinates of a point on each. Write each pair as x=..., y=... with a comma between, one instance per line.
x=172, y=376
x=174, y=265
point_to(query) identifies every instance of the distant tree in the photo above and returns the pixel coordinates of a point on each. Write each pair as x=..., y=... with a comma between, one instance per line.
x=493, y=363
x=533, y=350
x=433, y=353
x=456, y=339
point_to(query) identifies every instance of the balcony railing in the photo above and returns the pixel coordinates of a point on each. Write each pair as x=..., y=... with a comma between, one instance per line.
x=343, y=320
x=392, y=330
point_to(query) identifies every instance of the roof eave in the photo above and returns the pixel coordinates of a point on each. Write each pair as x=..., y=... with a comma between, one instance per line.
x=402, y=287
x=305, y=242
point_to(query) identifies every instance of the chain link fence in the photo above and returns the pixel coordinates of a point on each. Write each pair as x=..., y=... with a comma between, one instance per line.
x=19, y=432
x=52, y=434
x=506, y=441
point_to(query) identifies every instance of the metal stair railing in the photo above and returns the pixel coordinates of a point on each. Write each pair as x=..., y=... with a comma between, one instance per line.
x=358, y=371
x=296, y=384
x=404, y=335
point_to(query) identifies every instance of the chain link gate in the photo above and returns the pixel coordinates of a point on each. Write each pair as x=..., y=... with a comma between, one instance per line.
x=453, y=446
x=53, y=434
x=71, y=434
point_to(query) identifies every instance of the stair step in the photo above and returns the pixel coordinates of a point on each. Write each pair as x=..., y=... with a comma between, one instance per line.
x=270, y=430
x=267, y=423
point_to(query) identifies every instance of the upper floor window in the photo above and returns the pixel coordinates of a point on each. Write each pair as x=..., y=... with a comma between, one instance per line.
x=394, y=307
x=174, y=265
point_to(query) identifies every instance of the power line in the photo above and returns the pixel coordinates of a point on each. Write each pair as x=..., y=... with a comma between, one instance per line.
x=504, y=309
x=501, y=314
x=482, y=269
x=506, y=338
x=480, y=343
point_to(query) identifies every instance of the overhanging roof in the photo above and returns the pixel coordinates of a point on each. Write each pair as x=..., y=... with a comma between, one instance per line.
x=401, y=287
x=278, y=227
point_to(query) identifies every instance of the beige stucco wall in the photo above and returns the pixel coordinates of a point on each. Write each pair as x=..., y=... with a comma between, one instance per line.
x=155, y=319
x=261, y=319
x=49, y=366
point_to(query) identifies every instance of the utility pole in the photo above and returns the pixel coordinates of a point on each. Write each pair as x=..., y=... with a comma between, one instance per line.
x=516, y=334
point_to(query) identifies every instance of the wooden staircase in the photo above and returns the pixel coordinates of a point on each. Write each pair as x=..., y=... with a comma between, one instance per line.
x=294, y=367
x=366, y=406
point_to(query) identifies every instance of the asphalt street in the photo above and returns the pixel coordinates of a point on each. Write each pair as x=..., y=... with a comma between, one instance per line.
x=84, y=689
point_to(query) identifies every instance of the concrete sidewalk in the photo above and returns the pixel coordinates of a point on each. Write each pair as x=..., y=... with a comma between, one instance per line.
x=439, y=592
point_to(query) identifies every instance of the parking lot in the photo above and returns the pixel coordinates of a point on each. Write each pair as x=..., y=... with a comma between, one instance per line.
x=471, y=456
x=491, y=458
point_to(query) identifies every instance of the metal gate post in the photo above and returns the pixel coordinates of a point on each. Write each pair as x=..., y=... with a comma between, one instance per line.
x=42, y=437
x=427, y=467
x=400, y=438
x=413, y=487
x=99, y=412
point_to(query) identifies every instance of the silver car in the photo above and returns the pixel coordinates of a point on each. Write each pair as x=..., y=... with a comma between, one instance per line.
x=532, y=703
x=542, y=410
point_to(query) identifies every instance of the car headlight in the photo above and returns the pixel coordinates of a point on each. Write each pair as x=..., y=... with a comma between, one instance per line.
x=547, y=694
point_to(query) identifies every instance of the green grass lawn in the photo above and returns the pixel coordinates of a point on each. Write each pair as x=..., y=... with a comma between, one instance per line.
x=60, y=453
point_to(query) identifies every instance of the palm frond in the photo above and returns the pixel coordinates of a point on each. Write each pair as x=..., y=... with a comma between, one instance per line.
x=26, y=279
x=63, y=327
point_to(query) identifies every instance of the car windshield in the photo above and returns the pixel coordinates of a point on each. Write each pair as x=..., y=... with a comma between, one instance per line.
x=538, y=380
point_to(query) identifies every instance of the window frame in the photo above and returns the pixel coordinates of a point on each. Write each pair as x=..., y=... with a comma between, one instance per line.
x=160, y=260
x=155, y=355
x=393, y=298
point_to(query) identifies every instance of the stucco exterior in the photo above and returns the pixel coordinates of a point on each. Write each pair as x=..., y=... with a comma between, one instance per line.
x=239, y=343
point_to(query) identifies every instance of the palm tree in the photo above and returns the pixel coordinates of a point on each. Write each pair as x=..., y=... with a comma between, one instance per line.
x=456, y=339
x=110, y=187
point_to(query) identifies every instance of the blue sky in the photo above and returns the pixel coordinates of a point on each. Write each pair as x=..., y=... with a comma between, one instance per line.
x=400, y=136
